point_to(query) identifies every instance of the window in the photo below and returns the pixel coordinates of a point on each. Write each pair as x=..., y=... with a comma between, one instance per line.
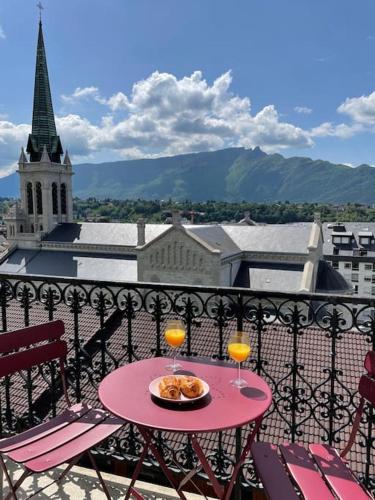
x=30, y=202
x=39, y=202
x=347, y=265
x=21, y=228
x=335, y=251
x=355, y=290
x=63, y=198
x=41, y=227
x=355, y=266
x=368, y=267
x=368, y=278
x=32, y=228
x=364, y=240
x=373, y=290
x=373, y=279
x=335, y=264
x=54, y=199
x=355, y=277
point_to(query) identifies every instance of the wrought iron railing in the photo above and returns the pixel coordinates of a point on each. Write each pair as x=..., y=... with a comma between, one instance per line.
x=309, y=348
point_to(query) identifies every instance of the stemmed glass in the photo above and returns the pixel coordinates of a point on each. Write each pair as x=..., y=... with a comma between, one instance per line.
x=174, y=336
x=239, y=350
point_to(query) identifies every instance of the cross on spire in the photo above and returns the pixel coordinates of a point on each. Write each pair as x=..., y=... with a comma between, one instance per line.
x=40, y=7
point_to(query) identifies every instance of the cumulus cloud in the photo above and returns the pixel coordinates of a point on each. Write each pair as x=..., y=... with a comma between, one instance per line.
x=304, y=110
x=360, y=109
x=12, y=137
x=167, y=115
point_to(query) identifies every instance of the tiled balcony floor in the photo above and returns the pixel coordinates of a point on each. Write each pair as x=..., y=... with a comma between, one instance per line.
x=83, y=484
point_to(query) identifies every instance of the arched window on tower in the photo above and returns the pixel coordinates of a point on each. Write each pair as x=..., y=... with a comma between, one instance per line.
x=55, y=207
x=63, y=198
x=21, y=228
x=39, y=202
x=30, y=203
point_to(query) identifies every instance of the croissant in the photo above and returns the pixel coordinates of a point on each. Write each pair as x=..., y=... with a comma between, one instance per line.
x=191, y=387
x=169, y=387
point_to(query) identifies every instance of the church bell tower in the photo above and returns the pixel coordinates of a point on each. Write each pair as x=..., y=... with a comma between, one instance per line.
x=45, y=182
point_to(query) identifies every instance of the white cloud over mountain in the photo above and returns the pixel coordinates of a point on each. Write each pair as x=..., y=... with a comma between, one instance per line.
x=360, y=109
x=165, y=115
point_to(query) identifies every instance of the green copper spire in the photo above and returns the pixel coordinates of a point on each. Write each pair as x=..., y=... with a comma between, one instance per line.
x=43, y=127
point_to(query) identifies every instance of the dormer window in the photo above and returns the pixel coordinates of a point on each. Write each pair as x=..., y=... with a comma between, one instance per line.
x=342, y=238
x=365, y=238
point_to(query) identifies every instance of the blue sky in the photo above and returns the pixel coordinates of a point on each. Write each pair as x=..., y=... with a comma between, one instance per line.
x=143, y=78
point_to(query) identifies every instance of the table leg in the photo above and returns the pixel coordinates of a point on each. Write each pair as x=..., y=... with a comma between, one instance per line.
x=147, y=434
x=219, y=490
x=138, y=468
x=244, y=454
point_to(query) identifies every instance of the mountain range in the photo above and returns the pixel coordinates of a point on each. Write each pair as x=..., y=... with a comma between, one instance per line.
x=232, y=174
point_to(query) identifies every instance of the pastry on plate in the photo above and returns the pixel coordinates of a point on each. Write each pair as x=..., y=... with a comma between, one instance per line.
x=191, y=387
x=169, y=387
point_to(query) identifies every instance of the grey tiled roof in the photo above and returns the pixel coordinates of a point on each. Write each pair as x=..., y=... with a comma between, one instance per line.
x=278, y=238
x=356, y=228
x=84, y=265
x=268, y=276
x=229, y=239
x=103, y=233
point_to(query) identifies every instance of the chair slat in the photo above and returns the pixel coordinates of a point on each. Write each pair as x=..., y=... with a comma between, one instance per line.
x=62, y=436
x=31, y=335
x=23, y=360
x=337, y=474
x=304, y=472
x=44, y=429
x=75, y=447
x=272, y=473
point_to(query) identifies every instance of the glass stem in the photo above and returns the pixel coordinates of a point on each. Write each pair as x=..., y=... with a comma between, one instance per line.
x=174, y=360
x=239, y=372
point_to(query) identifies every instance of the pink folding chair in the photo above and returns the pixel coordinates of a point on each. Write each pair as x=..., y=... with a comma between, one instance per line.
x=68, y=436
x=318, y=472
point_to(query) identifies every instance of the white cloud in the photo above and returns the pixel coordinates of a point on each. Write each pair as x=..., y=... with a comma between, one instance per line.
x=304, y=110
x=343, y=131
x=360, y=109
x=2, y=34
x=167, y=115
x=12, y=137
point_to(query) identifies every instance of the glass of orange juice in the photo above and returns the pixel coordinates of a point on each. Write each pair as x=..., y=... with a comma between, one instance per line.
x=239, y=350
x=174, y=336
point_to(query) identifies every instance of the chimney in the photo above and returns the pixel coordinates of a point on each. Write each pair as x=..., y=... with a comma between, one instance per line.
x=141, y=232
x=176, y=218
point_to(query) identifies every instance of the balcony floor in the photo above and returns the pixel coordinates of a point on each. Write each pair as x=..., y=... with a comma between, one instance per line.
x=82, y=483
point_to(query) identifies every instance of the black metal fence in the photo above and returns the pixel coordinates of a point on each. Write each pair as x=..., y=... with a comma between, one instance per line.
x=308, y=347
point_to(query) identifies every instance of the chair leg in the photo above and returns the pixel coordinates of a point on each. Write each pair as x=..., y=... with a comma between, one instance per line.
x=104, y=486
x=11, y=486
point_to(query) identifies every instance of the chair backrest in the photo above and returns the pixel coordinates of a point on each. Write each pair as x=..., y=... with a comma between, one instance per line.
x=366, y=389
x=53, y=348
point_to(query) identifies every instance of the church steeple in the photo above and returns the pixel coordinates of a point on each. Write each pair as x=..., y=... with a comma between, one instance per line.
x=43, y=131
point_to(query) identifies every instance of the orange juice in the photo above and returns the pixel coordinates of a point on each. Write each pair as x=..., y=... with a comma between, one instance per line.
x=175, y=337
x=238, y=351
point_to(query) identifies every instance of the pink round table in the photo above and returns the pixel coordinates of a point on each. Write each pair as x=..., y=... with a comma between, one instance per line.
x=125, y=393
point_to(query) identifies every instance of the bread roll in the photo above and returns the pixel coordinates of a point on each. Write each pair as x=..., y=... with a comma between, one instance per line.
x=169, y=387
x=191, y=387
